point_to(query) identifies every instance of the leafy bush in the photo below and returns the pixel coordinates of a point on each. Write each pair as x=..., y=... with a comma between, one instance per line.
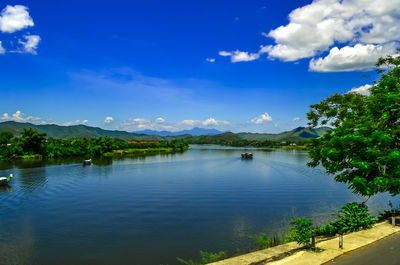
x=352, y=217
x=388, y=213
x=263, y=241
x=301, y=232
x=206, y=257
x=326, y=230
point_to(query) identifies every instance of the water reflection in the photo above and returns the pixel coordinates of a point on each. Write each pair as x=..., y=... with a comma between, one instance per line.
x=6, y=188
x=30, y=179
x=162, y=206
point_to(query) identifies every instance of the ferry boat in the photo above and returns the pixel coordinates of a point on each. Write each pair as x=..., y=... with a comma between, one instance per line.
x=247, y=156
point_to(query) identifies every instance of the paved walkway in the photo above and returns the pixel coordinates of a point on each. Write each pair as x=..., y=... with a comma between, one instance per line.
x=386, y=251
x=330, y=248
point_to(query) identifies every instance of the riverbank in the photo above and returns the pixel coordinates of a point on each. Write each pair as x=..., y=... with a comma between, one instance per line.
x=292, y=253
x=131, y=152
x=143, y=152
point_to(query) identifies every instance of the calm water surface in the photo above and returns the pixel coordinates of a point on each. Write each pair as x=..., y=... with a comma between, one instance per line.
x=154, y=209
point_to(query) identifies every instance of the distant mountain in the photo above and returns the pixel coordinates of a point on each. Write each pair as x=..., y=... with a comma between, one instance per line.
x=195, y=132
x=297, y=134
x=196, y=135
x=75, y=131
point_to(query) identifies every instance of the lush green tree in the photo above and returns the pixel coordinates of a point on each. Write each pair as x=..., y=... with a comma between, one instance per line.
x=5, y=137
x=32, y=142
x=363, y=148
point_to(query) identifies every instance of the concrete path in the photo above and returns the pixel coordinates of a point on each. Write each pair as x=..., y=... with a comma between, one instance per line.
x=386, y=251
x=330, y=248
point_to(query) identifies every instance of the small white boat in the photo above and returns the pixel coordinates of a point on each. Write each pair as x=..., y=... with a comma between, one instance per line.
x=6, y=180
x=87, y=162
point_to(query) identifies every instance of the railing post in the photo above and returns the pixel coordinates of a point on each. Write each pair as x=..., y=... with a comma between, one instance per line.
x=341, y=240
x=393, y=220
x=313, y=240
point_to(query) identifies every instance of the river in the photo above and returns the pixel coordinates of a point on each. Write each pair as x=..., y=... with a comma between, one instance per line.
x=151, y=210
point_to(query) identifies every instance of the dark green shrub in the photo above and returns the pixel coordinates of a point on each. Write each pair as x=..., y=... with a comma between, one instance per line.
x=264, y=241
x=326, y=230
x=206, y=257
x=301, y=232
x=352, y=217
x=388, y=213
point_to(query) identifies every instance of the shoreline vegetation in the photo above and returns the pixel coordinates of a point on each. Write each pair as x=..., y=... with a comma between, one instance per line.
x=352, y=217
x=32, y=144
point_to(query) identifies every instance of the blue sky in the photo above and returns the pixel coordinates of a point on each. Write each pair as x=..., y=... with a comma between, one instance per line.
x=171, y=65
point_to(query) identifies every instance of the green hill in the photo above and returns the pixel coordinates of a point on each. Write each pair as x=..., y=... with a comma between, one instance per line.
x=299, y=134
x=222, y=138
x=76, y=131
x=296, y=135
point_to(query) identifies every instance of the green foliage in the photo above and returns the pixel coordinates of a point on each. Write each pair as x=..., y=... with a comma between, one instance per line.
x=263, y=241
x=325, y=230
x=31, y=143
x=5, y=138
x=352, y=217
x=301, y=232
x=206, y=257
x=388, y=213
x=363, y=148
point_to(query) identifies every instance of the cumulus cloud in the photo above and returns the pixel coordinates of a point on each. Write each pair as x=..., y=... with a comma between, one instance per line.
x=358, y=57
x=77, y=122
x=210, y=60
x=31, y=43
x=18, y=116
x=363, y=90
x=296, y=119
x=327, y=25
x=160, y=120
x=262, y=118
x=160, y=124
x=108, y=120
x=15, y=18
x=212, y=121
x=240, y=56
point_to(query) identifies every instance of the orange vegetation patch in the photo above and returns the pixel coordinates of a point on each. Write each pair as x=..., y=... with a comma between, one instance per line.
x=144, y=142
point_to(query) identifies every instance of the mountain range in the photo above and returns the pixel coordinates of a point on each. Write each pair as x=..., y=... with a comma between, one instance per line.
x=83, y=131
x=195, y=132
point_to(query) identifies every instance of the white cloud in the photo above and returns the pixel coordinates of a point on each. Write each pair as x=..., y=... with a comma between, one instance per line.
x=262, y=119
x=77, y=122
x=2, y=50
x=239, y=56
x=363, y=90
x=69, y=123
x=31, y=43
x=214, y=122
x=160, y=120
x=359, y=57
x=18, y=116
x=327, y=25
x=224, y=53
x=138, y=124
x=15, y=18
x=210, y=60
x=296, y=119
x=108, y=120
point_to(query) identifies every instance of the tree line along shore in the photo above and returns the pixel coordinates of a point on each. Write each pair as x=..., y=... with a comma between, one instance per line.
x=34, y=144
